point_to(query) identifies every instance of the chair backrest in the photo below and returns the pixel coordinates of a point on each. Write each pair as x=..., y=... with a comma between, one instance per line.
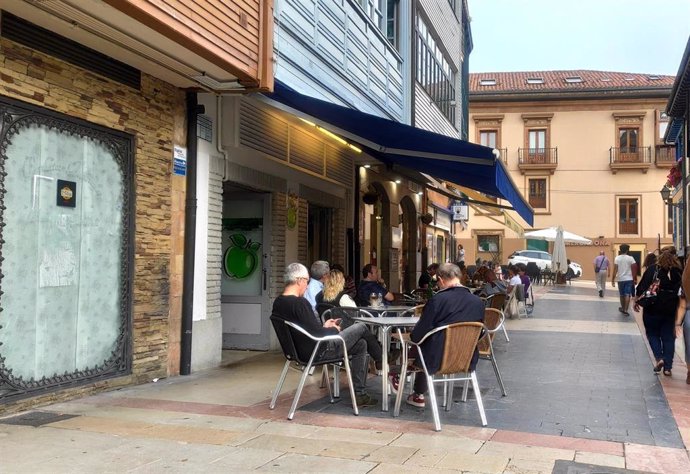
x=413, y=311
x=520, y=292
x=287, y=342
x=458, y=350
x=497, y=300
x=321, y=307
x=493, y=319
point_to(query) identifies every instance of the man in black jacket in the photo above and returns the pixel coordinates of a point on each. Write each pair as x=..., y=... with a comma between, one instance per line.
x=453, y=304
x=292, y=306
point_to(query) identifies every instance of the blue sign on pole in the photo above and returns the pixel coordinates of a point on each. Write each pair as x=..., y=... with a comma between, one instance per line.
x=179, y=161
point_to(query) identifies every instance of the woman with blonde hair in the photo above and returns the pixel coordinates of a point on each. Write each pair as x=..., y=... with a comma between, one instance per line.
x=334, y=292
x=659, y=318
x=335, y=295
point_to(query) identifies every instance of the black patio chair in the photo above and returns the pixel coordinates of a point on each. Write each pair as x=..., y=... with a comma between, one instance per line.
x=286, y=330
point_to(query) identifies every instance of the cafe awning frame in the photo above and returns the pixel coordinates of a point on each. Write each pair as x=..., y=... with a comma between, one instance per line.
x=393, y=143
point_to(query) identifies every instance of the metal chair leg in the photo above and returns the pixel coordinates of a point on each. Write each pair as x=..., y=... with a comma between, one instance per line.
x=449, y=402
x=498, y=375
x=325, y=376
x=465, y=389
x=302, y=379
x=336, y=381
x=401, y=380
x=505, y=333
x=434, y=406
x=346, y=362
x=478, y=396
x=281, y=380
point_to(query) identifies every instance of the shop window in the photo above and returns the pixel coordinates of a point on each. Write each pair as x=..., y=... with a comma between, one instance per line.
x=66, y=248
x=628, y=209
x=537, y=193
x=488, y=243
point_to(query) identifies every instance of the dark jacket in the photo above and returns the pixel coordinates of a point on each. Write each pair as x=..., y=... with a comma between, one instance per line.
x=452, y=305
x=667, y=295
x=366, y=288
x=298, y=310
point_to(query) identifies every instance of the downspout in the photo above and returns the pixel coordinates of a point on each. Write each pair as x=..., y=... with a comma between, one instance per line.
x=356, y=263
x=189, y=236
x=219, y=135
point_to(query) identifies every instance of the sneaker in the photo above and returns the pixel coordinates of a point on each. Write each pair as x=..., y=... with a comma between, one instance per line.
x=394, y=382
x=366, y=400
x=601, y=293
x=416, y=400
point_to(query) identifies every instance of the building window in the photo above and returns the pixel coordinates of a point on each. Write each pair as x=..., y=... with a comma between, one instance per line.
x=669, y=220
x=488, y=243
x=435, y=73
x=628, y=210
x=384, y=15
x=661, y=125
x=536, y=144
x=489, y=138
x=628, y=139
x=537, y=193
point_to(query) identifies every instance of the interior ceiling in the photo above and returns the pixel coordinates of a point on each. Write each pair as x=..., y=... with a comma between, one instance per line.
x=105, y=29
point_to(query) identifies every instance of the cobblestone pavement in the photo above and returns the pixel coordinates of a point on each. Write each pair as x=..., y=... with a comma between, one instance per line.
x=581, y=398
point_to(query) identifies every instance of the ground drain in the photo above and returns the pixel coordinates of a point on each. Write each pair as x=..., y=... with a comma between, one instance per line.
x=35, y=418
x=572, y=467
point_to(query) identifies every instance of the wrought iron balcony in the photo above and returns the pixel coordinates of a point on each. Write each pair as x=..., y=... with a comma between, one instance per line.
x=630, y=158
x=664, y=156
x=537, y=159
x=504, y=154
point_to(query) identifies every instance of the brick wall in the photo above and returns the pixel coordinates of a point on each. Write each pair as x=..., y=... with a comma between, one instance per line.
x=302, y=222
x=155, y=116
x=278, y=226
x=215, y=251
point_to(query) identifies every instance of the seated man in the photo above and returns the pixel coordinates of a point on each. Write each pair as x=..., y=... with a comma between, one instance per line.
x=426, y=279
x=292, y=306
x=372, y=283
x=453, y=304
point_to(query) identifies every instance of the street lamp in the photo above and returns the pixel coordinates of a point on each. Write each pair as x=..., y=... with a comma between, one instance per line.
x=665, y=193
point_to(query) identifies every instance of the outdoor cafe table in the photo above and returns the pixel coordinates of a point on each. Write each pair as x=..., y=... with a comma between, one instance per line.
x=387, y=324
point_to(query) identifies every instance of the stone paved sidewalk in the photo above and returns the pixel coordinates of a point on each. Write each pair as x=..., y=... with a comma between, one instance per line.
x=580, y=390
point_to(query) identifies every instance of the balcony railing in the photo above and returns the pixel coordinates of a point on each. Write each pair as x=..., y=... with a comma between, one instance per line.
x=630, y=158
x=665, y=156
x=537, y=159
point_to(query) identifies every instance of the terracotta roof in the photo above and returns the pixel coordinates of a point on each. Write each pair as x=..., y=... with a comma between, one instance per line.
x=536, y=81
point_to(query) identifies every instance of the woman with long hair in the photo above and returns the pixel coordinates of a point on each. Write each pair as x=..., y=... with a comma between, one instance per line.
x=659, y=318
x=335, y=295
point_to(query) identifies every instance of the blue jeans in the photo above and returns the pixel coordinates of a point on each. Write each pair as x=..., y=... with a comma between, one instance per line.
x=660, y=330
x=625, y=288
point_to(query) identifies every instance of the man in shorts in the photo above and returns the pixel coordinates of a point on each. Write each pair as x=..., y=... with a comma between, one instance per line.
x=623, y=274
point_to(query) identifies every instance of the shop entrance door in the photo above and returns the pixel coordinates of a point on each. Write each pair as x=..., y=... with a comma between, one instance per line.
x=245, y=303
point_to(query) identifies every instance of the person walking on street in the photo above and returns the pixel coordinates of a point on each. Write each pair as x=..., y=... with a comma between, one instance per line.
x=659, y=318
x=683, y=324
x=602, y=272
x=622, y=272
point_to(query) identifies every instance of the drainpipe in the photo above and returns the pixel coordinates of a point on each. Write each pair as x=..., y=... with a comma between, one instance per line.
x=189, y=236
x=356, y=257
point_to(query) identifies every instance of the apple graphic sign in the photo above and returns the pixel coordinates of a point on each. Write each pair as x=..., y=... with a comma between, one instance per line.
x=240, y=259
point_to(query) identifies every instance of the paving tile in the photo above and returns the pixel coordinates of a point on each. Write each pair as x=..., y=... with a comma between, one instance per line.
x=293, y=462
x=391, y=454
x=515, y=451
x=474, y=463
x=656, y=459
x=287, y=428
x=326, y=448
x=384, y=468
x=359, y=436
x=245, y=459
x=426, y=457
x=434, y=440
x=599, y=459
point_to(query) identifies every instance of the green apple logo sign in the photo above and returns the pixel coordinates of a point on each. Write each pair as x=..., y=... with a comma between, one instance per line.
x=240, y=259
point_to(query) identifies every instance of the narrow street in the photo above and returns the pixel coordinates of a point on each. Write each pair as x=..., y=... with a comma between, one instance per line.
x=581, y=394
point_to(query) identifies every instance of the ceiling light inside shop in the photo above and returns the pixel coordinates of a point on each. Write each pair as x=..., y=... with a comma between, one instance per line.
x=367, y=166
x=398, y=181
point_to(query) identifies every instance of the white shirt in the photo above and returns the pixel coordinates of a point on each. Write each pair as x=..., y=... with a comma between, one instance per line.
x=624, y=262
x=346, y=301
x=313, y=289
x=515, y=281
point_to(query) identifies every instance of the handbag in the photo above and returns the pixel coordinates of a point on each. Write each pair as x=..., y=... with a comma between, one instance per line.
x=650, y=297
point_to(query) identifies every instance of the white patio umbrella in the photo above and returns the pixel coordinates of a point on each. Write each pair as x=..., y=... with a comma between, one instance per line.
x=559, y=260
x=551, y=233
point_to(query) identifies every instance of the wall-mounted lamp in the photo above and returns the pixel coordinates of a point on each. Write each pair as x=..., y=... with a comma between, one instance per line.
x=420, y=193
x=367, y=166
x=666, y=197
x=398, y=181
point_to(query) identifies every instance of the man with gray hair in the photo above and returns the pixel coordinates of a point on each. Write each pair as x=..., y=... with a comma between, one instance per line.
x=319, y=272
x=291, y=306
x=453, y=304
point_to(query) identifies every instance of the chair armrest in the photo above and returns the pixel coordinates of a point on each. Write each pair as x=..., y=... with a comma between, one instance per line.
x=332, y=337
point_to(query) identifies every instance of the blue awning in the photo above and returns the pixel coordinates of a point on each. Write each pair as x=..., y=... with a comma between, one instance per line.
x=450, y=159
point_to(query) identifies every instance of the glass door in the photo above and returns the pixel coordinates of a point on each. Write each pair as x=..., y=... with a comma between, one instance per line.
x=245, y=305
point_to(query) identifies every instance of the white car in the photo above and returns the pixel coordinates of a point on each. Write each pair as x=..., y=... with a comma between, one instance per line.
x=542, y=259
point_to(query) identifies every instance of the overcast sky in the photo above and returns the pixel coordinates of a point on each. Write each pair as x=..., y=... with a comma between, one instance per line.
x=639, y=36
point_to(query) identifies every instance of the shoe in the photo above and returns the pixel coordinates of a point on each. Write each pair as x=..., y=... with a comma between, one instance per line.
x=378, y=364
x=416, y=400
x=620, y=310
x=667, y=372
x=601, y=293
x=394, y=382
x=659, y=365
x=366, y=400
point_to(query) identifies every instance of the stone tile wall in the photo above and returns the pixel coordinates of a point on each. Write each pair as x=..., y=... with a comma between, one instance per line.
x=155, y=115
